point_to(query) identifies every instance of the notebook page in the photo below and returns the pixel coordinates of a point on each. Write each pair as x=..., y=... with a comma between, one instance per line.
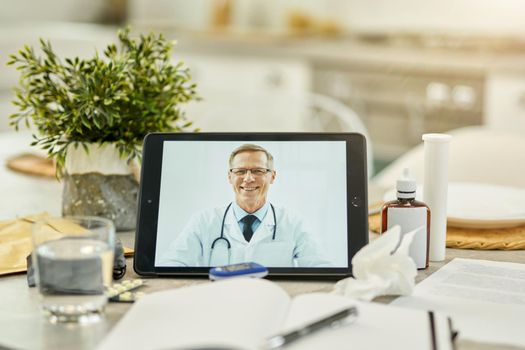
x=377, y=326
x=234, y=313
x=486, y=299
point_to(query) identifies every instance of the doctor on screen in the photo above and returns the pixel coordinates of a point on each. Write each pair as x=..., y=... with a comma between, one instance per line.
x=249, y=228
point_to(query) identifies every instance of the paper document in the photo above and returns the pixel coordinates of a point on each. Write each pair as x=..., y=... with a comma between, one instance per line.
x=486, y=299
x=243, y=313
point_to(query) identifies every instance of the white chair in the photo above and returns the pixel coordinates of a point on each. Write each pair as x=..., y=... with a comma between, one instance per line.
x=274, y=111
x=477, y=154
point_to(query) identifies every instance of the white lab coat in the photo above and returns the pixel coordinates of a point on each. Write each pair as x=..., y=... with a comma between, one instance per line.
x=293, y=244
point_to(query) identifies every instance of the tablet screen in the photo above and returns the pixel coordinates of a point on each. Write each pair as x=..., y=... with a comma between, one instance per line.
x=281, y=204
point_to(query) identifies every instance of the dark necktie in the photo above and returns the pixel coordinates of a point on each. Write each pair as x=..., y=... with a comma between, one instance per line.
x=248, y=230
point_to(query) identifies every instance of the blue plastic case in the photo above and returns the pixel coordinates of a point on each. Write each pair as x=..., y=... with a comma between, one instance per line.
x=248, y=269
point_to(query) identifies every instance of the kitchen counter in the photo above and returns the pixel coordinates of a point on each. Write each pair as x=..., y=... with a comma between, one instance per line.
x=382, y=54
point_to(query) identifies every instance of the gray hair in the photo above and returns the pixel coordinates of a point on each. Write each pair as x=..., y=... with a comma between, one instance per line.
x=248, y=147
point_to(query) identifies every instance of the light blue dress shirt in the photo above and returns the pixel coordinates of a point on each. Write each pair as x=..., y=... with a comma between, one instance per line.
x=241, y=213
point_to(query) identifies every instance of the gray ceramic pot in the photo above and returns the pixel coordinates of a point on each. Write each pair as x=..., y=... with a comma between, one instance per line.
x=100, y=183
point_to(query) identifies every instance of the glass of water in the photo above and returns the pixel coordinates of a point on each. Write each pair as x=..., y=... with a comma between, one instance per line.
x=73, y=260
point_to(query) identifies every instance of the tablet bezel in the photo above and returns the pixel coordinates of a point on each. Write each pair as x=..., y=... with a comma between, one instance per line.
x=148, y=201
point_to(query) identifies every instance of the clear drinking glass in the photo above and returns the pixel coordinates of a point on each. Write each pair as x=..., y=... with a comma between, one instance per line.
x=73, y=260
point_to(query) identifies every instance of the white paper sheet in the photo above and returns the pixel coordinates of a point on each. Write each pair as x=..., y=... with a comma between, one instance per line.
x=377, y=326
x=233, y=314
x=486, y=299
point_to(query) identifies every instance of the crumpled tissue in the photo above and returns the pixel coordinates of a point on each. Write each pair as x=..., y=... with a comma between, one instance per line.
x=383, y=267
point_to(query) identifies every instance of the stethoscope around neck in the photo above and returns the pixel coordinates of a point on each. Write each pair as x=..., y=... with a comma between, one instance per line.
x=221, y=237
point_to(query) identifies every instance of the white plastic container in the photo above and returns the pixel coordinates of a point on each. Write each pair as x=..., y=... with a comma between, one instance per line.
x=435, y=188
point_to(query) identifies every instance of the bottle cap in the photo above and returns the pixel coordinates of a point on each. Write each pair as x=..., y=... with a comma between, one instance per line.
x=406, y=186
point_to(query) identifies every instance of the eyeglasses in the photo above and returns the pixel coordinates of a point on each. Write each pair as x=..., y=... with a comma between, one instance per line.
x=254, y=171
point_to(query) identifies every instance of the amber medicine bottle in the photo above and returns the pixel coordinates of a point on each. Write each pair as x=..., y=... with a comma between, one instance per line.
x=410, y=214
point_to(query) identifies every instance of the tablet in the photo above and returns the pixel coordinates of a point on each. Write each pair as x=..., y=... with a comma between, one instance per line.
x=295, y=203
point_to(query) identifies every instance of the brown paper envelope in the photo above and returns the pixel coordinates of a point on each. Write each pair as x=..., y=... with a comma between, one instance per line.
x=14, y=228
x=6, y=223
x=15, y=242
x=128, y=252
x=15, y=239
x=66, y=226
x=13, y=255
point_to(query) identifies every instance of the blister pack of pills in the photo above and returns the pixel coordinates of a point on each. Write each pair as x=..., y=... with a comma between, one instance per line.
x=124, y=291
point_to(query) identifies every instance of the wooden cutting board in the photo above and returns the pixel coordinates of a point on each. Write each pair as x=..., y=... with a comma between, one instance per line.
x=32, y=164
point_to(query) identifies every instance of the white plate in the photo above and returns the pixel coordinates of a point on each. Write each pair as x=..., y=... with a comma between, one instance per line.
x=474, y=205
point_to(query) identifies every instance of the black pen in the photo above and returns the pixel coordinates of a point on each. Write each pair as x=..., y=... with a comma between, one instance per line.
x=281, y=340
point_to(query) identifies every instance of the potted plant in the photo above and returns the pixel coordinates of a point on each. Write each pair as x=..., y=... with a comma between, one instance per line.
x=91, y=116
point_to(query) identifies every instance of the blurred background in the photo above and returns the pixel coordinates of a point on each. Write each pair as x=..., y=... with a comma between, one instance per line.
x=390, y=69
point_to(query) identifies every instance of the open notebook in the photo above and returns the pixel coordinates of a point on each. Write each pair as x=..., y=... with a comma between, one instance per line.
x=242, y=313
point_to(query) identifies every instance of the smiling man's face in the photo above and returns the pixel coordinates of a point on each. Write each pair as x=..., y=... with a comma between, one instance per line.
x=251, y=188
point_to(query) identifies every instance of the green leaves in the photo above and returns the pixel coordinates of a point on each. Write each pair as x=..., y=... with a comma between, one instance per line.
x=132, y=90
